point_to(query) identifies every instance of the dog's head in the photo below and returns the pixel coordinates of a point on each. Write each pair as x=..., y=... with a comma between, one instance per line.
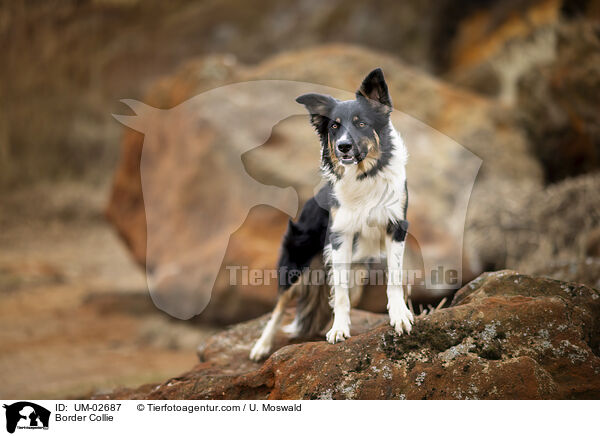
x=351, y=131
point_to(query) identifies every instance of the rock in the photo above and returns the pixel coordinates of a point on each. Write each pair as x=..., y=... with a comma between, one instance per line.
x=542, y=59
x=505, y=336
x=556, y=232
x=447, y=132
x=586, y=270
x=560, y=105
x=488, y=46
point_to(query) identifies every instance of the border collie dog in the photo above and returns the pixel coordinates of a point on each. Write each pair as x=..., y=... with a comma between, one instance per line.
x=360, y=214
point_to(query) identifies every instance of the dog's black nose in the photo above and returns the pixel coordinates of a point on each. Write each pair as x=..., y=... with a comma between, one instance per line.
x=344, y=147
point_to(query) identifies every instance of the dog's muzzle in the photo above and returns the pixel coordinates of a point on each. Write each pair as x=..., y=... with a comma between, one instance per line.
x=347, y=154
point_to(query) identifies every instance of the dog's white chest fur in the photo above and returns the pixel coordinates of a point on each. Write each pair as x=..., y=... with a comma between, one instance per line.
x=368, y=205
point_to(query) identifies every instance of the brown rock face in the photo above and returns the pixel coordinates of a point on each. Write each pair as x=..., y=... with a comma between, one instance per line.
x=488, y=46
x=554, y=232
x=557, y=232
x=560, y=104
x=505, y=336
x=451, y=130
x=541, y=57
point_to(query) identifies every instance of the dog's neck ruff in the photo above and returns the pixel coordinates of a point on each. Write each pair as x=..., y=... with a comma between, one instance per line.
x=376, y=200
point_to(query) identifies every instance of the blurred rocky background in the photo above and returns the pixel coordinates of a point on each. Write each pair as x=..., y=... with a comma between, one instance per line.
x=517, y=83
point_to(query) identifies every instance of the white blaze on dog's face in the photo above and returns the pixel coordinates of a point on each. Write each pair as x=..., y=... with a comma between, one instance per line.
x=350, y=130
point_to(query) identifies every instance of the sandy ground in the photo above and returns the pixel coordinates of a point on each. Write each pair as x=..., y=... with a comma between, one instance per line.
x=75, y=315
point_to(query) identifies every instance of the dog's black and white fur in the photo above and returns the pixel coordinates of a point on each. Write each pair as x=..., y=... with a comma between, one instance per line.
x=360, y=214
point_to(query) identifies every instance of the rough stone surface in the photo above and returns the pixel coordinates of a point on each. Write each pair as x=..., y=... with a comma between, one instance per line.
x=495, y=43
x=542, y=58
x=560, y=104
x=505, y=336
x=554, y=232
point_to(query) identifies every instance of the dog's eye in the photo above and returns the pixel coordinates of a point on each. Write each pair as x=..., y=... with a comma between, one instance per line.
x=334, y=126
x=362, y=124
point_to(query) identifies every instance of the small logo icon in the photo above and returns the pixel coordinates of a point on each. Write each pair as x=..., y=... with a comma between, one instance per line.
x=26, y=415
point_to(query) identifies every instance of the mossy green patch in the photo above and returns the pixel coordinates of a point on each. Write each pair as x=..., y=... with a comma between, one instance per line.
x=424, y=335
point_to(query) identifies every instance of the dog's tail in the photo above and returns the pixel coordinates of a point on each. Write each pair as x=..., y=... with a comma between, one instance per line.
x=313, y=311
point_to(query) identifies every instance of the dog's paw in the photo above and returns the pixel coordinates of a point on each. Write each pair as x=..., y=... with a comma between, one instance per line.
x=338, y=334
x=401, y=319
x=260, y=350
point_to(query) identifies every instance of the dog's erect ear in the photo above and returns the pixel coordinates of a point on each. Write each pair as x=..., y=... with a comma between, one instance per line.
x=319, y=107
x=375, y=91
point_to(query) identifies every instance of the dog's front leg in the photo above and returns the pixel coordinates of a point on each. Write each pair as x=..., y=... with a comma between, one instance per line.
x=401, y=318
x=341, y=259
